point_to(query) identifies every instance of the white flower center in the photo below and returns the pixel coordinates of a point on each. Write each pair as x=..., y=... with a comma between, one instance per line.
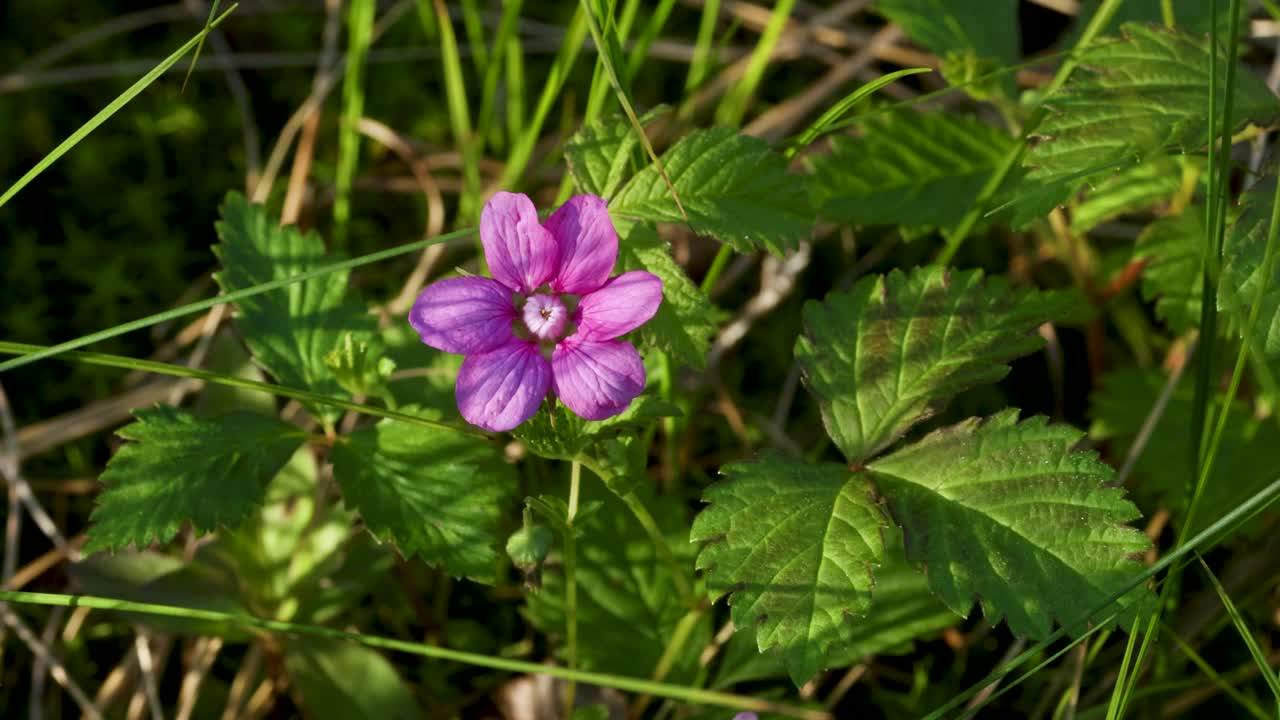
x=544, y=316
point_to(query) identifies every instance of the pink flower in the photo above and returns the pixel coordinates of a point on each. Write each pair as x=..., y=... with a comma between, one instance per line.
x=547, y=320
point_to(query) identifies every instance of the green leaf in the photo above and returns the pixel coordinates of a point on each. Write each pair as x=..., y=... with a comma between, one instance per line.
x=1128, y=191
x=902, y=610
x=918, y=170
x=732, y=186
x=180, y=468
x=1193, y=16
x=1139, y=95
x=558, y=434
x=965, y=33
x=685, y=321
x=1244, y=254
x=291, y=330
x=628, y=604
x=147, y=577
x=433, y=493
x=600, y=154
x=344, y=680
x=1009, y=512
x=1174, y=247
x=893, y=350
x=1247, y=460
x=795, y=544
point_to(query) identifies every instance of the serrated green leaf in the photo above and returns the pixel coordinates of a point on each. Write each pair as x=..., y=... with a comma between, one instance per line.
x=1130, y=190
x=558, y=434
x=894, y=350
x=902, y=610
x=1244, y=253
x=1137, y=96
x=1007, y=511
x=795, y=544
x=1247, y=460
x=291, y=330
x=344, y=680
x=432, y=493
x=209, y=472
x=1174, y=248
x=1193, y=16
x=733, y=187
x=685, y=321
x=976, y=33
x=918, y=170
x=600, y=154
x=628, y=604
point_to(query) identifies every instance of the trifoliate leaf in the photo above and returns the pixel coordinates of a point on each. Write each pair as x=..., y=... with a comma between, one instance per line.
x=600, y=154
x=902, y=610
x=1248, y=457
x=342, y=680
x=628, y=602
x=1174, y=248
x=1007, y=511
x=684, y=323
x=1244, y=255
x=290, y=330
x=1128, y=191
x=967, y=34
x=180, y=468
x=795, y=544
x=433, y=493
x=1139, y=95
x=893, y=350
x=917, y=170
x=732, y=186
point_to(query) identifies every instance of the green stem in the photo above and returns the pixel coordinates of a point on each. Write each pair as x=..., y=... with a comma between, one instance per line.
x=679, y=638
x=519, y=667
x=659, y=541
x=970, y=220
x=718, y=265
x=571, y=585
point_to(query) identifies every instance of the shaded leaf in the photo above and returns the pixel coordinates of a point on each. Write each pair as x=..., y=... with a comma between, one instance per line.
x=1174, y=247
x=1128, y=191
x=733, y=187
x=1244, y=255
x=1008, y=512
x=600, y=154
x=685, y=321
x=918, y=170
x=290, y=330
x=894, y=349
x=1248, y=457
x=345, y=680
x=1139, y=95
x=795, y=544
x=975, y=33
x=628, y=603
x=433, y=493
x=209, y=472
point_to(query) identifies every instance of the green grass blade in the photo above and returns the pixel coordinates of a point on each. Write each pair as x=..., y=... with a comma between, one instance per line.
x=195, y=307
x=520, y=667
x=111, y=109
x=522, y=149
x=833, y=114
x=359, y=37
x=455, y=90
x=489, y=87
x=734, y=105
x=1174, y=559
x=701, y=64
x=195, y=57
x=159, y=368
x=640, y=50
x=1259, y=657
x=1215, y=677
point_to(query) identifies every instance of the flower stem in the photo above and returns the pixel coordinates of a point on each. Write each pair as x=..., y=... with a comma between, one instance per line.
x=571, y=587
x=717, y=266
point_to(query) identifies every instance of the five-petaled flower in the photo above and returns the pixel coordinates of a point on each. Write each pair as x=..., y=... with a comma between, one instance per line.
x=549, y=318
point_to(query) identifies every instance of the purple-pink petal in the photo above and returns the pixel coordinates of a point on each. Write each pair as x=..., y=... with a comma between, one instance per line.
x=620, y=306
x=464, y=315
x=502, y=388
x=520, y=252
x=596, y=380
x=588, y=244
